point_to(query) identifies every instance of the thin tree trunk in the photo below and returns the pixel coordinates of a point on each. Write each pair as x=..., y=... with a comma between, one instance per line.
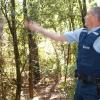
x=34, y=71
x=83, y=10
x=30, y=59
x=16, y=52
x=30, y=66
x=36, y=67
x=12, y=27
x=2, y=86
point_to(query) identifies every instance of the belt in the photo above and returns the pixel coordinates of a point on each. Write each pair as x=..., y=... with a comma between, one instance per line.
x=87, y=78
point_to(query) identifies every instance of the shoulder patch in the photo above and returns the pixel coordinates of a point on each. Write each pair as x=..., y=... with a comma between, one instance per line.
x=96, y=33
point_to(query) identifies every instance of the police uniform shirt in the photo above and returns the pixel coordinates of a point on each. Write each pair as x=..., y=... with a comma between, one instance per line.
x=73, y=36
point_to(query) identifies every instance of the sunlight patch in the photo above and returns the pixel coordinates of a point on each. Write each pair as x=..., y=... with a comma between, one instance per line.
x=36, y=98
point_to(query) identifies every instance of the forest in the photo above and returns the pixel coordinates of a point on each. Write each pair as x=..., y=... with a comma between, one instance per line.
x=32, y=66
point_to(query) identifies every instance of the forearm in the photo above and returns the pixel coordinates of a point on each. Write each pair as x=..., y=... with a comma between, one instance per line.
x=52, y=35
x=37, y=28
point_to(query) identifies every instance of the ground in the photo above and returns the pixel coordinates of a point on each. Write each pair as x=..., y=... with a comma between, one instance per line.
x=49, y=89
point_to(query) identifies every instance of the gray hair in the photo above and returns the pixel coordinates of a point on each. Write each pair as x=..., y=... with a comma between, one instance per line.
x=96, y=11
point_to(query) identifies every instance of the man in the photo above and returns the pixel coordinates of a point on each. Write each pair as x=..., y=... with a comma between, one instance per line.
x=88, y=61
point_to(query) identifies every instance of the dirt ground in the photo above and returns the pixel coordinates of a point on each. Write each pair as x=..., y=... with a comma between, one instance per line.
x=47, y=89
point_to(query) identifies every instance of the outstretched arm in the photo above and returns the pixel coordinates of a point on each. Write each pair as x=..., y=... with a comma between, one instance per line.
x=33, y=26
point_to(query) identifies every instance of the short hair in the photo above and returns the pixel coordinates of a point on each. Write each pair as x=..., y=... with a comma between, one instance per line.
x=96, y=11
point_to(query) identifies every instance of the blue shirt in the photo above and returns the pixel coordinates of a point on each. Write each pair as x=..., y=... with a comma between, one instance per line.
x=73, y=36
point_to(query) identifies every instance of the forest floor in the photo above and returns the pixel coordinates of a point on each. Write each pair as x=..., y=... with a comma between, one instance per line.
x=51, y=89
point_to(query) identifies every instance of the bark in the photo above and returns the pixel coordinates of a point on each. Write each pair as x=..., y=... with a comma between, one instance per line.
x=34, y=71
x=83, y=10
x=16, y=51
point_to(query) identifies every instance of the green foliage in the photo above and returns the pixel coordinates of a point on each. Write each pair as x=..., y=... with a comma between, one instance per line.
x=68, y=88
x=57, y=15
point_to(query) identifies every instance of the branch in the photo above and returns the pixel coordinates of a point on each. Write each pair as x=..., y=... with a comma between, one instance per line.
x=6, y=16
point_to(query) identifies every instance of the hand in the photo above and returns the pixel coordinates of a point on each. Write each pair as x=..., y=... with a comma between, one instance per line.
x=33, y=26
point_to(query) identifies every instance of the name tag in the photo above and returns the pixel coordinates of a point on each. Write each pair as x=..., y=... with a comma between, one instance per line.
x=86, y=47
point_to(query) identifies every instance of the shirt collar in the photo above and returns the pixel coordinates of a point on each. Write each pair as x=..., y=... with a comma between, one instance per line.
x=94, y=29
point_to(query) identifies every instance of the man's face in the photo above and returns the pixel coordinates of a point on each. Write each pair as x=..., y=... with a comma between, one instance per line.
x=90, y=19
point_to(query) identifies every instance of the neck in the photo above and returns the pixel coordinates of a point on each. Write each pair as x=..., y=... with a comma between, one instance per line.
x=94, y=26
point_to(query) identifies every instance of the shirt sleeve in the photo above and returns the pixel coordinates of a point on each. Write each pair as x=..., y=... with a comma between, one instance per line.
x=96, y=45
x=73, y=36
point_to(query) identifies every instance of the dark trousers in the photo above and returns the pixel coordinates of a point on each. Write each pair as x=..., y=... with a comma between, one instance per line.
x=86, y=91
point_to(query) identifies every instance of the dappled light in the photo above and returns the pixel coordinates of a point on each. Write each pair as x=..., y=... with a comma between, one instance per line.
x=32, y=65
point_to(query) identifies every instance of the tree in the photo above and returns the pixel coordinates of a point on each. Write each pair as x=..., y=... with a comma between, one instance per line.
x=34, y=71
x=33, y=14
x=2, y=84
x=11, y=20
x=83, y=10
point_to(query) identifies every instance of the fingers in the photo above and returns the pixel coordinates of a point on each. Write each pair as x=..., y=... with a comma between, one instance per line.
x=26, y=24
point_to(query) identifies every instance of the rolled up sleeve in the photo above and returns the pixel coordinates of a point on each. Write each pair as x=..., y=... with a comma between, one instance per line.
x=96, y=45
x=72, y=36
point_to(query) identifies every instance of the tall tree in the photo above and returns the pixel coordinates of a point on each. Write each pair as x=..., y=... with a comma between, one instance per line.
x=34, y=71
x=11, y=20
x=83, y=10
x=33, y=13
x=2, y=87
x=30, y=55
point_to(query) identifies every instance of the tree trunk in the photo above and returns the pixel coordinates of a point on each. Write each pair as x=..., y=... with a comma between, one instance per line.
x=34, y=71
x=83, y=10
x=30, y=66
x=36, y=67
x=16, y=52
x=2, y=86
x=12, y=27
